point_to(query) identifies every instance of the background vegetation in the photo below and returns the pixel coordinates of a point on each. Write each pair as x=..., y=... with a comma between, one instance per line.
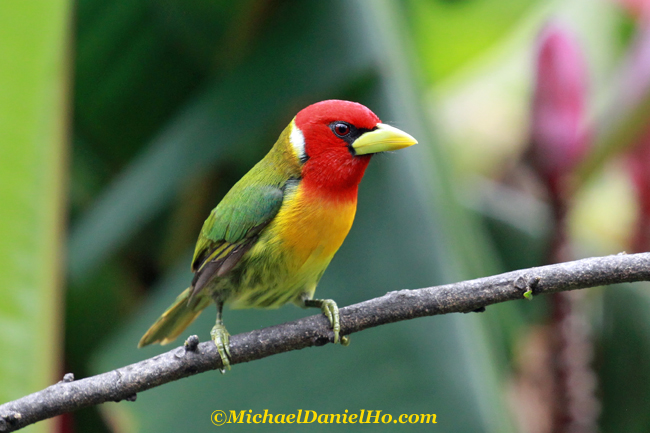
x=167, y=103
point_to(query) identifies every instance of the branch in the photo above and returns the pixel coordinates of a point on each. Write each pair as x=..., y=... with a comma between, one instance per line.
x=193, y=358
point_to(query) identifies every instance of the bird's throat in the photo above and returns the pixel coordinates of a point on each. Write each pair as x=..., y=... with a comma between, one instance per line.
x=334, y=177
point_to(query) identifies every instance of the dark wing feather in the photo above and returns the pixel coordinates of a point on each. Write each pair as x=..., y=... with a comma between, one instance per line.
x=231, y=230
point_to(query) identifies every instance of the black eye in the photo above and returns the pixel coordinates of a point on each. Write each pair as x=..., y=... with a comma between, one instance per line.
x=341, y=129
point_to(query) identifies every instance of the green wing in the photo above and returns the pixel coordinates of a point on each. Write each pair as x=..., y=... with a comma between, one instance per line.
x=232, y=229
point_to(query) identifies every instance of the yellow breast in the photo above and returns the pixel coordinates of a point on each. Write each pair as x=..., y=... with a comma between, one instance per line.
x=291, y=253
x=294, y=250
x=313, y=228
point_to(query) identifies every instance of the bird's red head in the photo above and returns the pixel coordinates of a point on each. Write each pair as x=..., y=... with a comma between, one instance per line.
x=323, y=137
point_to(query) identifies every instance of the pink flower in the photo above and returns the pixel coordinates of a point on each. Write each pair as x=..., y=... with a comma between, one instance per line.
x=634, y=91
x=635, y=88
x=558, y=136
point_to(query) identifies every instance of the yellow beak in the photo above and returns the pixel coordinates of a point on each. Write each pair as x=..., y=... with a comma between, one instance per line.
x=382, y=139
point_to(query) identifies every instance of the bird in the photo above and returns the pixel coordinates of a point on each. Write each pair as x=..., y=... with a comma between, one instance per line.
x=270, y=239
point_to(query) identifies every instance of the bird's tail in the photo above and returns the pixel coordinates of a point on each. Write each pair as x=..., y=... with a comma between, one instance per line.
x=177, y=317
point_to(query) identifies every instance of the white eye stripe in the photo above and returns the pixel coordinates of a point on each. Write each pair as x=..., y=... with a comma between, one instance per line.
x=297, y=140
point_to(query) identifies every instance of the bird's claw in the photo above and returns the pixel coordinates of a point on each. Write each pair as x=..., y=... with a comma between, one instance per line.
x=221, y=339
x=331, y=311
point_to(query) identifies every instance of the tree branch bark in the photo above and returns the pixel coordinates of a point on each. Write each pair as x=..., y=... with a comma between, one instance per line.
x=193, y=358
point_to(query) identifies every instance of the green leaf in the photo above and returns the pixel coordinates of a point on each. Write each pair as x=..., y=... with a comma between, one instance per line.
x=448, y=34
x=33, y=117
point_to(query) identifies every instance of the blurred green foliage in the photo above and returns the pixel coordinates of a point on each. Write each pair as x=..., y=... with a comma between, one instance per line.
x=173, y=101
x=33, y=155
x=470, y=26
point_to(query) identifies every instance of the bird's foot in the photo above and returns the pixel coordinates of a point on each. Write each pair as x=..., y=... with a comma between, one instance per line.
x=221, y=339
x=331, y=311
